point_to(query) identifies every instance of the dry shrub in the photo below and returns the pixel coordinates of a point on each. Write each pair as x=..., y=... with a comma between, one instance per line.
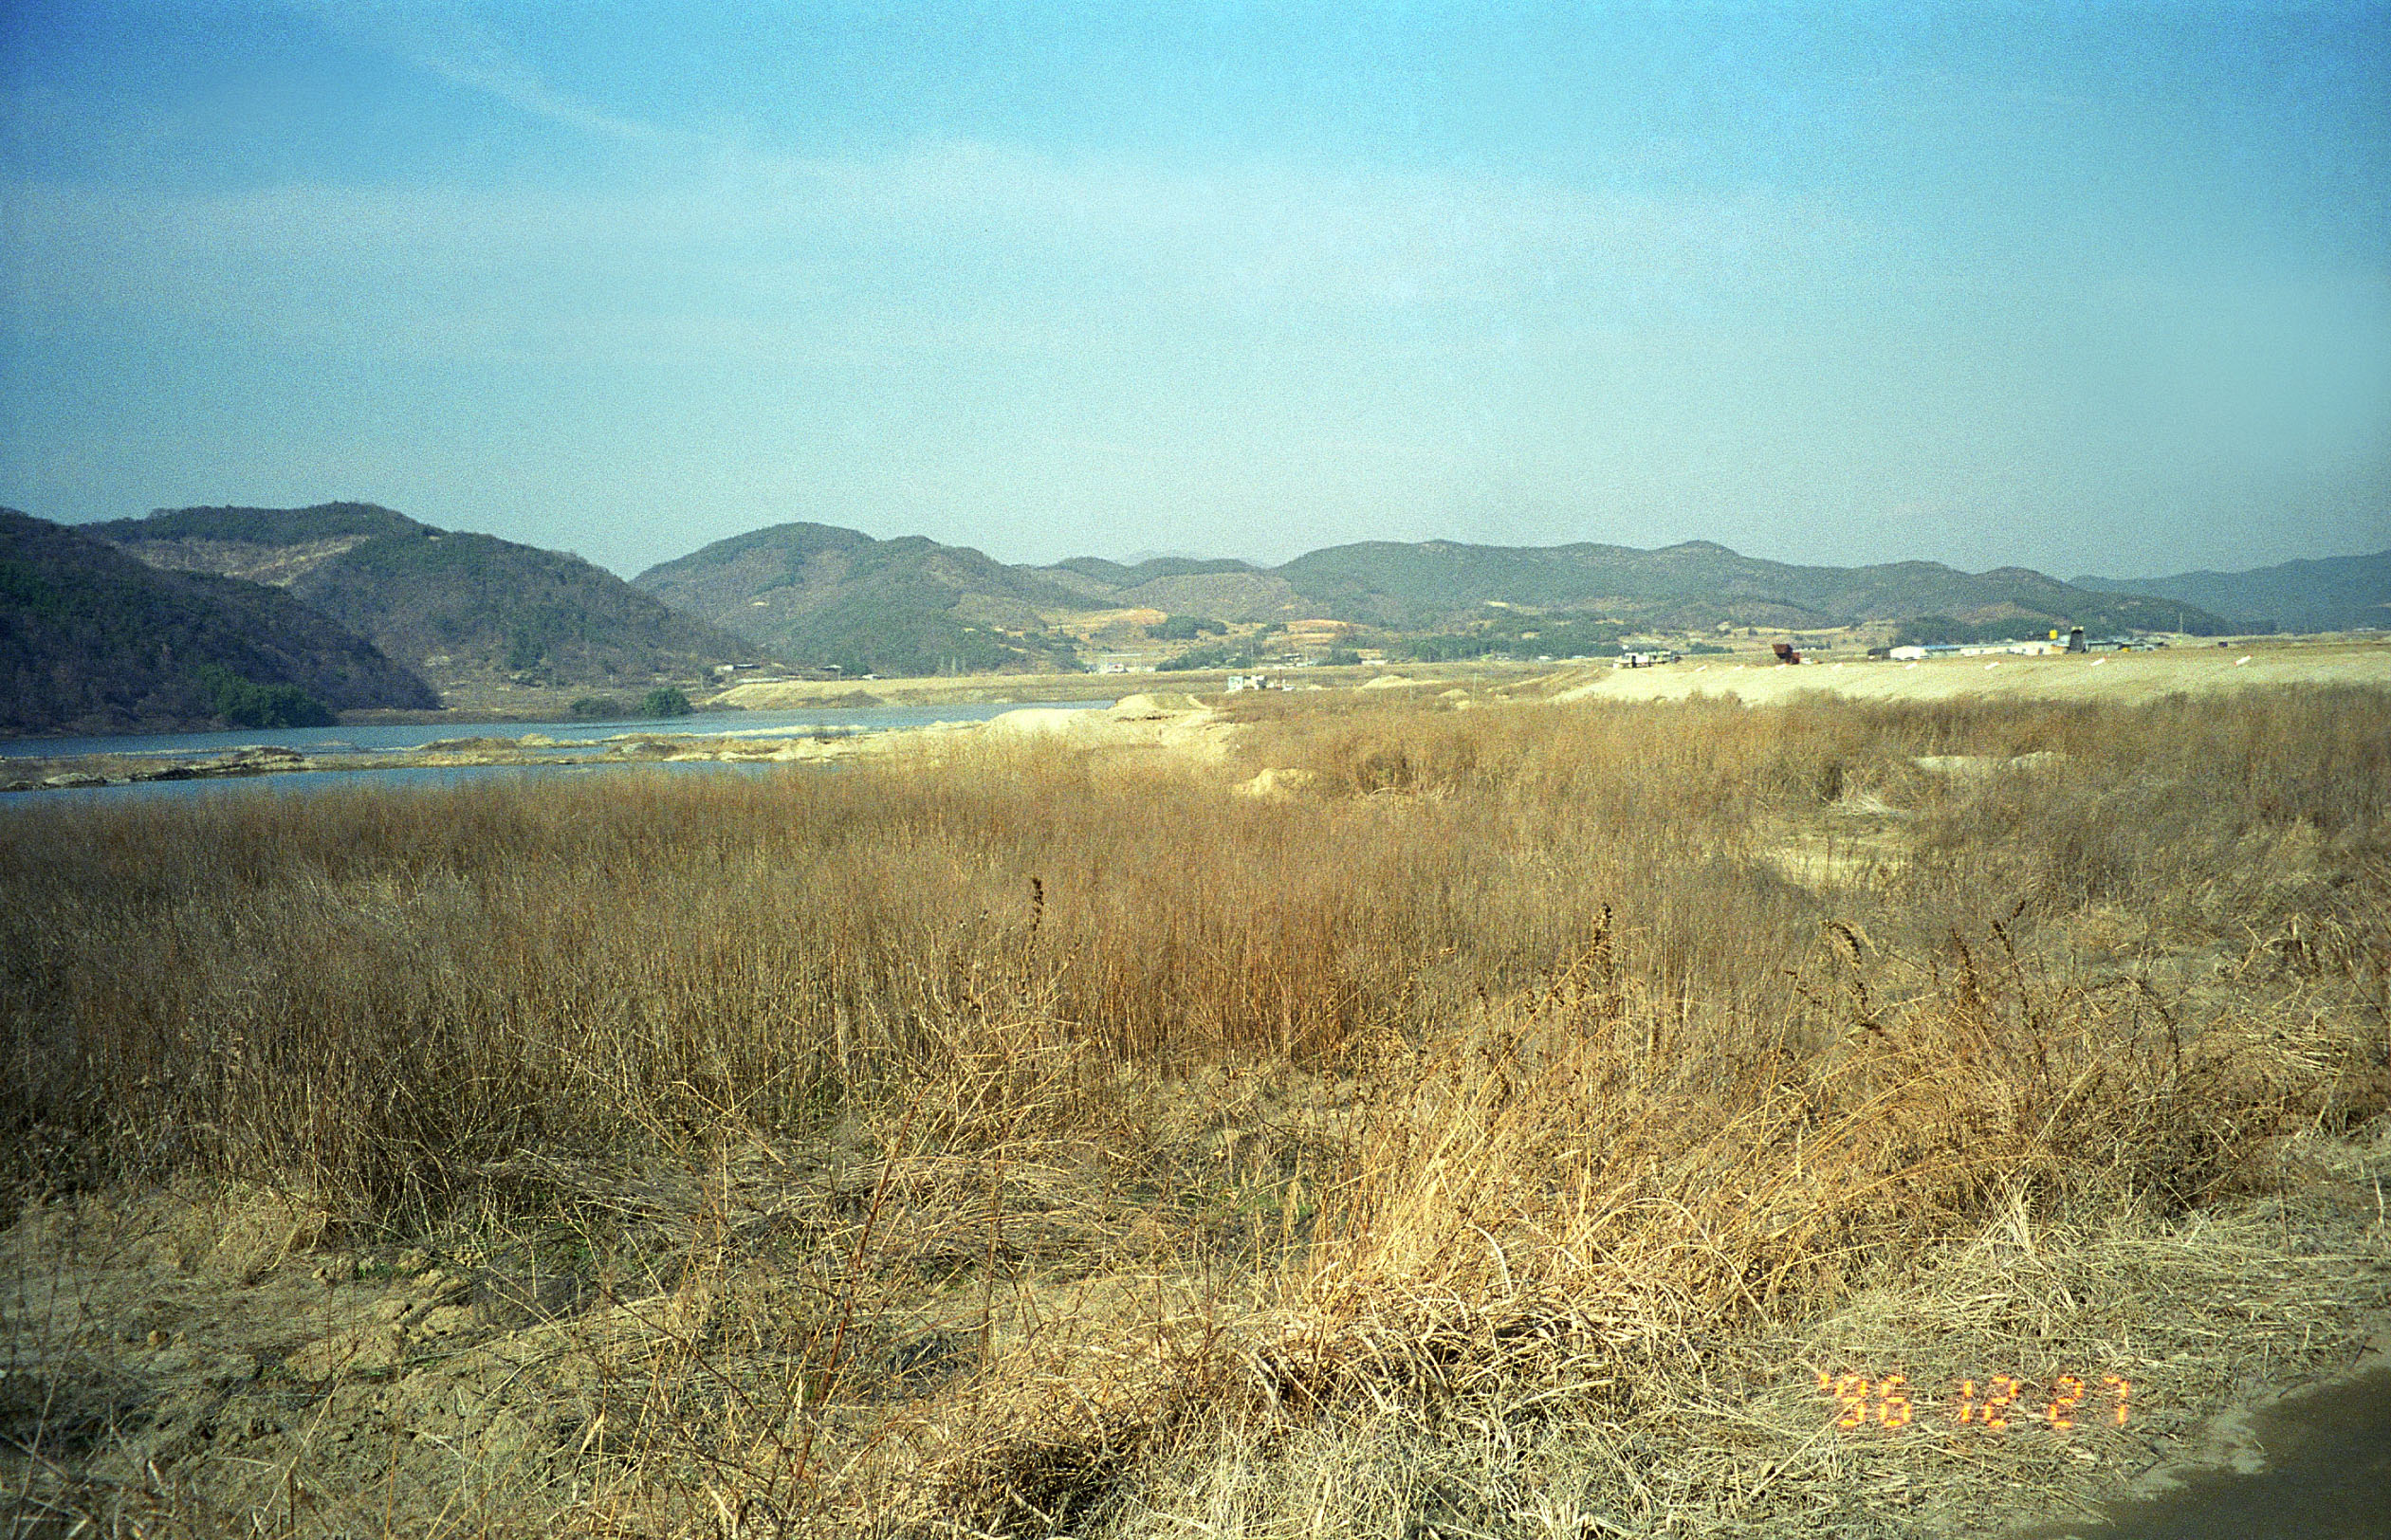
x=1562, y=1211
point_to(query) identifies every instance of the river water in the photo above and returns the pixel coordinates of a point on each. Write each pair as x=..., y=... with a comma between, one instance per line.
x=321, y=742
x=572, y=739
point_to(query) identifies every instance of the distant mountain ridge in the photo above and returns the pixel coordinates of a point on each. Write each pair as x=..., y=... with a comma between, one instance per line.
x=1688, y=586
x=463, y=609
x=1217, y=590
x=94, y=641
x=468, y=609
x=825, y=596
x=2329, y=593
x=1113, y=575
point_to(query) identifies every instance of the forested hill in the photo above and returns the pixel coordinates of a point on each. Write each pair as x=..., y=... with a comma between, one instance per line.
x=825, y=597
x=92, y=641
x=1217, y=590
x=463, y=609
x=2332, y=593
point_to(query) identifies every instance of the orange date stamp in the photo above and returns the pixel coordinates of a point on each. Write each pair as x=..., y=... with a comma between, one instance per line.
x=1888, y=1402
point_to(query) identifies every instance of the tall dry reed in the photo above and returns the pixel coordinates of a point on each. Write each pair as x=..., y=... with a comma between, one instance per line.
x=1574, y=1041
x=387, y=992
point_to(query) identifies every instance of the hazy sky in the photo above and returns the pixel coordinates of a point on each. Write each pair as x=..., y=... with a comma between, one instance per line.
x=2097, y=289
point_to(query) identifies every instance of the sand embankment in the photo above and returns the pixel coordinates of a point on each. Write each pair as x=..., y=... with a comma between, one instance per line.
x=1167, y=720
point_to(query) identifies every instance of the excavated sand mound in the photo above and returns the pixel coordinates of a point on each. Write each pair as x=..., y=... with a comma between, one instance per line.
x=1150, y=704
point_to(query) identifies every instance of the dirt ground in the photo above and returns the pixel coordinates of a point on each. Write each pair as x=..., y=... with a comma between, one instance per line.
x=203, y=1363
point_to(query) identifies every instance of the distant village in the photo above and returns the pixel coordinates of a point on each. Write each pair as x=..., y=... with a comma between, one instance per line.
x=1266, y=656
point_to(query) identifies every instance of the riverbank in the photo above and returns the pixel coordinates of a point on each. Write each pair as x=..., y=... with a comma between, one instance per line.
x=1145, y=721
x=2253, y=664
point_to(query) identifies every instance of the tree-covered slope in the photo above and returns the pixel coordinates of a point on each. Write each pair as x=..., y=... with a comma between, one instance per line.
x=461, y=607
x=94, y=641
x=823, y=596
x=1217, y=590
x=2331, y=593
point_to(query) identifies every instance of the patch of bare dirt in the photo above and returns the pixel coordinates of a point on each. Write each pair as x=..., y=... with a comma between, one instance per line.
x=176, y=1364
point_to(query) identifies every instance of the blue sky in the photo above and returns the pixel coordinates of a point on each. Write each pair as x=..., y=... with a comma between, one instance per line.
x=2089, y=288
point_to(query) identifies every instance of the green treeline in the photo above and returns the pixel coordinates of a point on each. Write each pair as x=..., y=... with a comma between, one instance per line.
x=243, y=702
x=1525, y=636
x=663, y=700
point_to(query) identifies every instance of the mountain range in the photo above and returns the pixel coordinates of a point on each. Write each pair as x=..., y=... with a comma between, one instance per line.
x=1691, y=586
x=822, y=595
x=352, y=604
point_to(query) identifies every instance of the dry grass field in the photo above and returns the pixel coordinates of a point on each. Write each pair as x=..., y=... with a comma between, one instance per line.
x=1540, y=1119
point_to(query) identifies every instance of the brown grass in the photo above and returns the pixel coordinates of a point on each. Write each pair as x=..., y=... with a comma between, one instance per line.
x=1026, y=1140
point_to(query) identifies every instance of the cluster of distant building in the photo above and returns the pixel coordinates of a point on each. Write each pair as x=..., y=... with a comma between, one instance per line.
x=1335, y=633
x=2040, y=646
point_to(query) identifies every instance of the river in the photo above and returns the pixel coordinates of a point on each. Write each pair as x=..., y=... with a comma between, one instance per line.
x=568, y=742
x=319, y=741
